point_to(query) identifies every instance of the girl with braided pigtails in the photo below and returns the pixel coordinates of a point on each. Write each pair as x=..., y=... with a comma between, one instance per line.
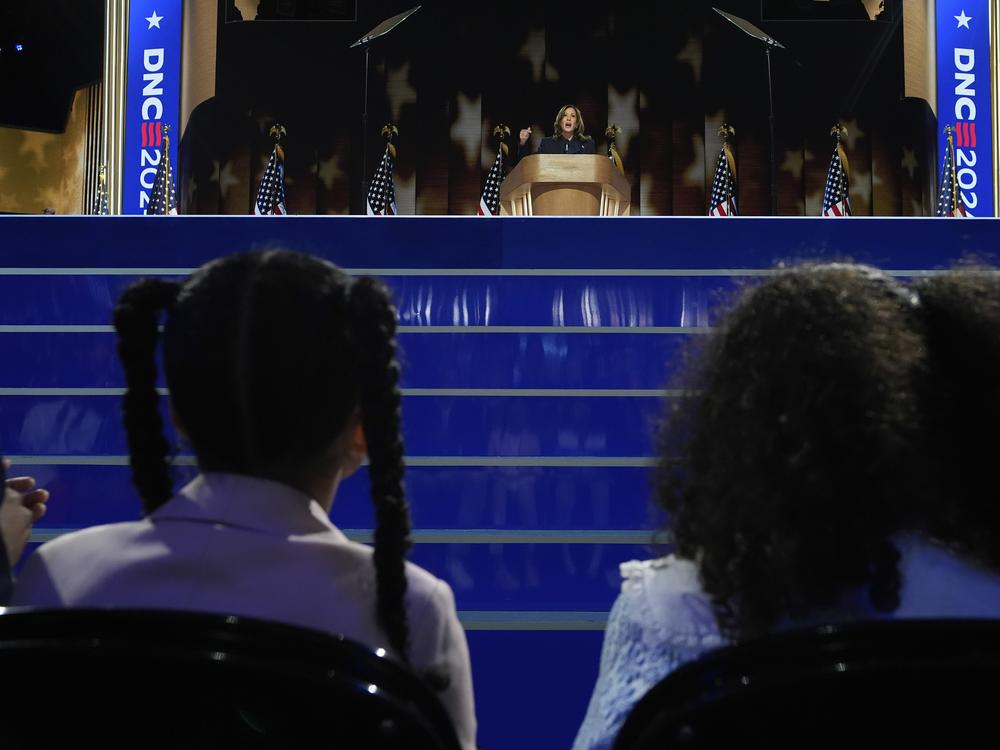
x=283, y=376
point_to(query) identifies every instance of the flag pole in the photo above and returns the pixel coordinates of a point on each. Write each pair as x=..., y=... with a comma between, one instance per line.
x=948, y=130
x=102, y=182
x=838, y=132
x=612, y=134
x=770, y=127
x=388, y=131
x=166, y=170
x=364, y=128
x=727, y=131
x=501, y=132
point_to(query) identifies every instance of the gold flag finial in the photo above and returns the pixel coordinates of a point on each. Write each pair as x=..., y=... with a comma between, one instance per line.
x=726, y=131
x=388, y=132
x=500, y=132
x=102, y=174
x=838, y=131
x=277, y=132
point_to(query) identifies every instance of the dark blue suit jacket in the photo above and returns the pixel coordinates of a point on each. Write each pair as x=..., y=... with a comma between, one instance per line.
x=556, y=144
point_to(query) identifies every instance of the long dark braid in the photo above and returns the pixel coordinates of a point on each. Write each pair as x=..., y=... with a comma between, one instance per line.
x=285, y=307
x=374, y=323
x=136, y=318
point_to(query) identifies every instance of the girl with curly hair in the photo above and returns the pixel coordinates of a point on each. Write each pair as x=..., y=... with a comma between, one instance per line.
x=951, y=559
x=783, y=474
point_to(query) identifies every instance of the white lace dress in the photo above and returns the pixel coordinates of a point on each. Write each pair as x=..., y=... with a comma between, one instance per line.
x=661, y=620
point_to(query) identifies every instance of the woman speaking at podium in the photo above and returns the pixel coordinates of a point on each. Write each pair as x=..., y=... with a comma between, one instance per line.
x=568, y=136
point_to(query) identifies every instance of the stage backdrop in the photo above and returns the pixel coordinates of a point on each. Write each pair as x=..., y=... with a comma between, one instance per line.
x=667, y=73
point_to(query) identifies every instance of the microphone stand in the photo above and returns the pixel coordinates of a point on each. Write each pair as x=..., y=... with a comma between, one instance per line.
x=770, y=127
x=769, y=44
x=365, y=42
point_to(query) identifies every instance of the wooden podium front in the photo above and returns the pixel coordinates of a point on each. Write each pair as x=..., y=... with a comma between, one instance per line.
x=565, y=185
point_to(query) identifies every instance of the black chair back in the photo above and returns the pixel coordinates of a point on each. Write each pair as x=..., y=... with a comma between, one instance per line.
x=177, y=679
x=902, y=683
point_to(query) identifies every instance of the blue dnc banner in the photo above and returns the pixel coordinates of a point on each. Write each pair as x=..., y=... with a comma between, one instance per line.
x=963, y=97
x=153, y=96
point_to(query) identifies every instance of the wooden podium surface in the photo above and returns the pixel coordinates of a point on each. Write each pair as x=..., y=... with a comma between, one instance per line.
x=565, y=185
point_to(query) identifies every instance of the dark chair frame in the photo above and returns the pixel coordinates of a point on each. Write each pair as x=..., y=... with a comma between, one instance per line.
x=168, y=678
x=918, y=682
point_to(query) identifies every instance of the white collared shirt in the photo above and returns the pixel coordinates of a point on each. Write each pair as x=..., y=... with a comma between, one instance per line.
x=235, y=544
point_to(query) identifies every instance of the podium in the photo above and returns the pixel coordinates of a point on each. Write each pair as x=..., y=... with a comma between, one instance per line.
x=565, y=185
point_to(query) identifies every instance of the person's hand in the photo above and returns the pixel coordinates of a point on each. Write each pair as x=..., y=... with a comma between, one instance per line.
x=524, y=135
x=23, y=504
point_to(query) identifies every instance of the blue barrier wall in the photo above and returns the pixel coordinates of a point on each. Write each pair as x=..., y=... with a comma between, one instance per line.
x=535, y=351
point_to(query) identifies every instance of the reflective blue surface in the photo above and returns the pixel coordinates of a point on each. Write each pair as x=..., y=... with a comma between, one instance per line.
x=571, y=577
x=74, y=360
x=430, y=360
x=595, y=301
x=514, y=541
x=432, y=426
x=538, y=360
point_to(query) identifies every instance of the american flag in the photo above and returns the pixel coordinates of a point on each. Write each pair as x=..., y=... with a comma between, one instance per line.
x=489, y=201
x=101, y=199
x=381, y=193
x=836, y=197
x=949, y=197
x=724, y=185
x=271, y=193
x=163, y=198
